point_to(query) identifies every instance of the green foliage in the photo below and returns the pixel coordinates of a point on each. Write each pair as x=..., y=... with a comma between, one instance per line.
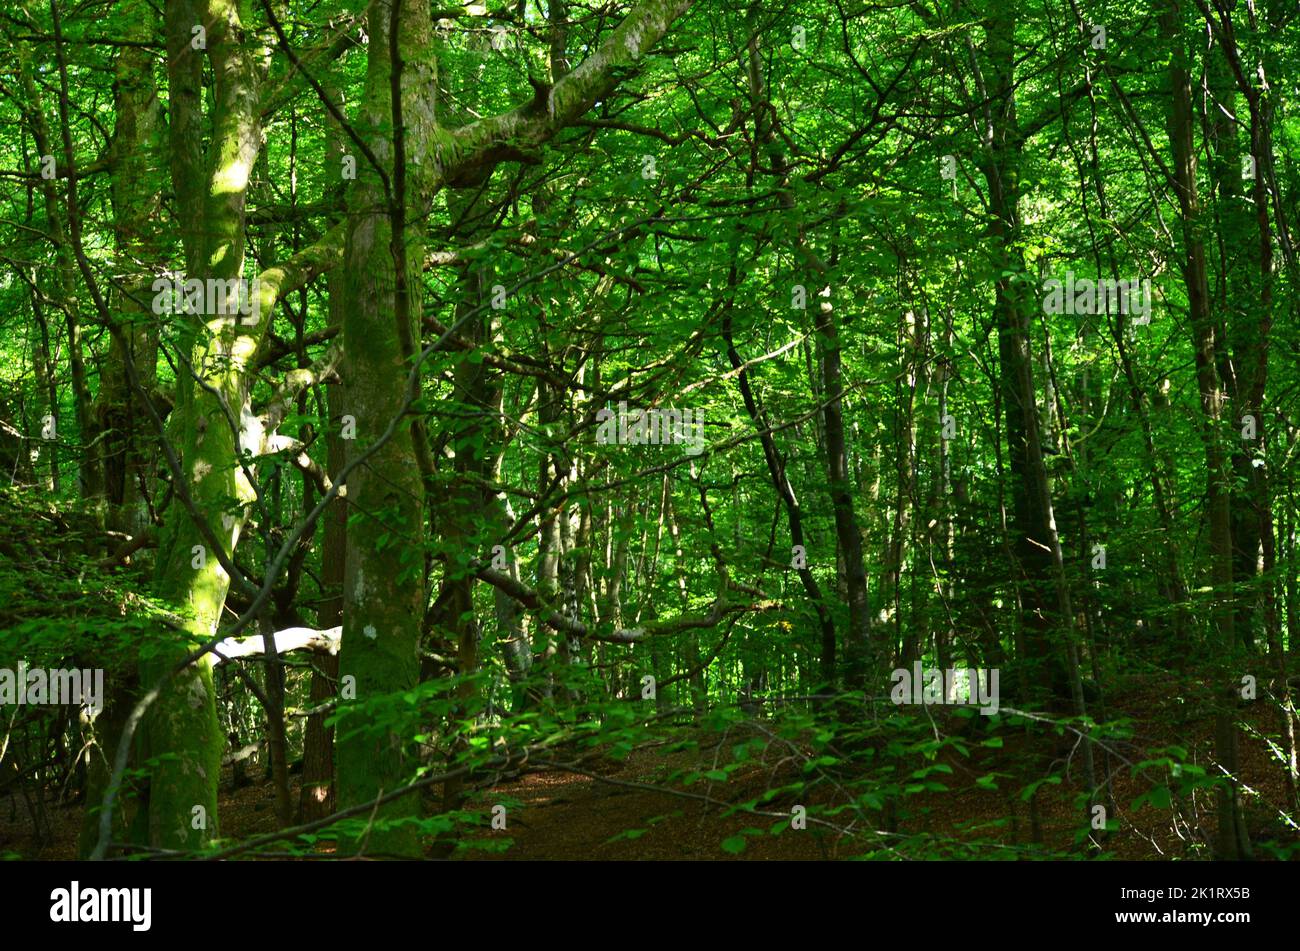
x=752, y=223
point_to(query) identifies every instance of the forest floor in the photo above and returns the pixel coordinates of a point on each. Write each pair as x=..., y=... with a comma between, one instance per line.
x=561, y=815
x=576, y=817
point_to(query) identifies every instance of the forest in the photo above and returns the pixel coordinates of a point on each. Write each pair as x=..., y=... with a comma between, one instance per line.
x=649, y=429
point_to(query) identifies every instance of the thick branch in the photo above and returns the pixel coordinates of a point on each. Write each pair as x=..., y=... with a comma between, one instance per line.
x=538, y=120
x=303, y=268
x=631, y=635
x=290, y=639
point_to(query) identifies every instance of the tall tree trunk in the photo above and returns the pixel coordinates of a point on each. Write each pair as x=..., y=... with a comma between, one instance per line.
x=384, y=585
x=1231, y=841
x=317, y=797
x=208, y=427
x=90, y=481
x=1044, y=598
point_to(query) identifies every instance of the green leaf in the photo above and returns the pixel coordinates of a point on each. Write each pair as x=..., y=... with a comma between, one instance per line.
x=734, y=845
